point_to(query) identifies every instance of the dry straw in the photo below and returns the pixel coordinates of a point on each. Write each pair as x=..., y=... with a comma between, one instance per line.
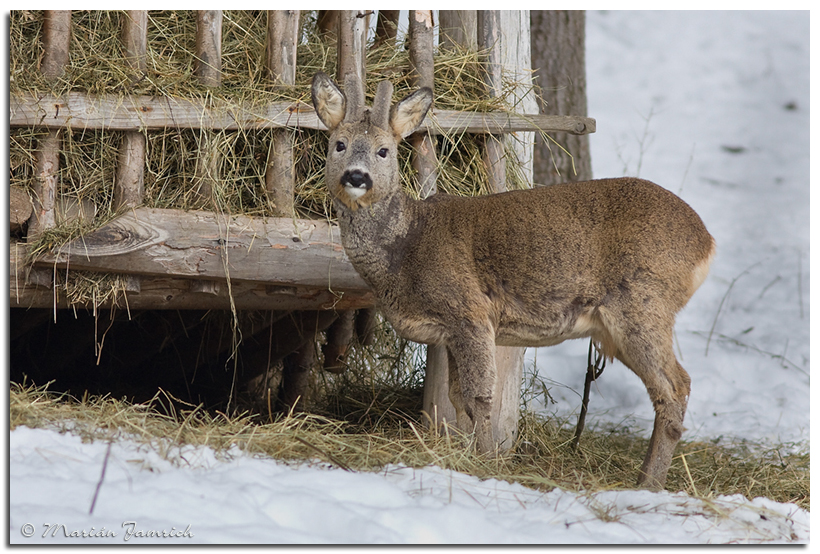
x=381, y=431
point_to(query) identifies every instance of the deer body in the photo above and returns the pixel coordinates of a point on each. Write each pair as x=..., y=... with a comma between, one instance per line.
x=611, y=259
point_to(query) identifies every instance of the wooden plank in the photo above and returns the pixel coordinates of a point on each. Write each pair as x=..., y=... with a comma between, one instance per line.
x=170, y=293
x=77, y=110
x=207, y=245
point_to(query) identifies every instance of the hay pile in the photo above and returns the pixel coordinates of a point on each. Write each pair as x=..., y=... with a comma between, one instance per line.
x=97, y=66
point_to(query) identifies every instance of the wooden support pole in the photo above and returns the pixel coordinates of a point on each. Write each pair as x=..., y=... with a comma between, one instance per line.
x=282, y=39
x=421, y=67
x=350, y=50
x=387, y=26
x=208, y=70
x=489, y=40
x=129, y=183
x=458, y=27
x=56, y=43
x=56, y=40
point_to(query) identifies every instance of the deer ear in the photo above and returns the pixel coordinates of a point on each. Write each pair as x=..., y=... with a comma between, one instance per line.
x=407, y=115
x=328, y=100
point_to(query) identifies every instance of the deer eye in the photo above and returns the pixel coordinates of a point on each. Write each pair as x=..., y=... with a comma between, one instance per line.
x=382, y=153
x=340, y=146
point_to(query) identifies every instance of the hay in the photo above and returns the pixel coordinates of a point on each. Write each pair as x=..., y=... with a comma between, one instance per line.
x=542, y=458
x=97, y=66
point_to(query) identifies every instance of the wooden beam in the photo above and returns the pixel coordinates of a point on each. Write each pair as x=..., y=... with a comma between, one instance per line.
x=172, y=293
x=207, y=245
x=78, y=110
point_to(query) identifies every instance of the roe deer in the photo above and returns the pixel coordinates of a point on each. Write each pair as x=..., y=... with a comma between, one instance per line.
x=611, y=259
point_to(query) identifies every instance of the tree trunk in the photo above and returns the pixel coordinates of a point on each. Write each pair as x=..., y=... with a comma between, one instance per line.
x=560, y=74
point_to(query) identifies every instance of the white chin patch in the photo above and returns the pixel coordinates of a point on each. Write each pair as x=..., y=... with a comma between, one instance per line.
x=355, y=192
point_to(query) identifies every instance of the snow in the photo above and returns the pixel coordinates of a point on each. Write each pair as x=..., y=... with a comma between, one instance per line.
x=713, y=106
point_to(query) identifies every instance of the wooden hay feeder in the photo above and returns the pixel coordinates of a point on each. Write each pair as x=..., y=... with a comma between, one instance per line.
x=215, y=258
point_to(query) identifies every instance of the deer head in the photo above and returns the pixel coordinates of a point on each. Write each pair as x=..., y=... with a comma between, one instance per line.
x=362, y=163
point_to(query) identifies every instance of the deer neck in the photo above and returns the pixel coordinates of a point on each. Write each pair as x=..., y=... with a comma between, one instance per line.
x=376, y=237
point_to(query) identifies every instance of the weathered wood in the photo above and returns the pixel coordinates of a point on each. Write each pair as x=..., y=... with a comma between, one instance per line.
x=350, y=47
x=509, y=361
x=135, y=43
x=201, y=244
x=129, y=180
x=489, y=40
x=77, y=110
x=19, y=208
x=208, y=71
x=208, y=63
x=559, y=65
x=168, y=293
x=387, y=26
x=283, y=36
x=421, y=71
x=458, y=27
x=56, y=43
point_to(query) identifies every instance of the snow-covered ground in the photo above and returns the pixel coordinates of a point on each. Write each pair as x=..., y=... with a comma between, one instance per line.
x=713, y=106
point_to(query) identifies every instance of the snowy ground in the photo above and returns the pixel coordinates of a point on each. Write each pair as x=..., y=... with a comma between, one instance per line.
x=712, y=105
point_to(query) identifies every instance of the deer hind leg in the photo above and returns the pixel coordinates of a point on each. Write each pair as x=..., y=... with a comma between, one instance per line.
x=649, y=353
x=471, y=360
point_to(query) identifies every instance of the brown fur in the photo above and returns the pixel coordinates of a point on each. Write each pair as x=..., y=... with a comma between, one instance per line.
x=612, y=259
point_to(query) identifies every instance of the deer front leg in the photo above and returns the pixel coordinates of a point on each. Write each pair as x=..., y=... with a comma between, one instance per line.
x=471, y=360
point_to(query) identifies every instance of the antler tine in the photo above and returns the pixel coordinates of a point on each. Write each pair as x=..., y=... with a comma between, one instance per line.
x=380, y=114
x=354, y=93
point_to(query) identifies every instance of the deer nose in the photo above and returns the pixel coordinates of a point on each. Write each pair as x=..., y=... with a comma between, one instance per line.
x=357, y=178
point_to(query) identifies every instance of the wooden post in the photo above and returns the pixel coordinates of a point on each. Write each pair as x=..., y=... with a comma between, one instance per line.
x=350, y=48
x=458, y=27
x=351, y=33
x=421, y=64
x=558, y=62
x=129, y=183
x=283, y=36
x=56, y=45
x=208, y=70
x=387, y=26
x=494, y=32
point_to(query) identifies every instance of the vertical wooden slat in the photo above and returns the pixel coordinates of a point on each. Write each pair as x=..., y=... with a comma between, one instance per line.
x=56, y=43
x=208, y=71
x=421, y=66
x=208, y=67
x=387, y=26
x=509, y=360
x=489, y=28
x=436, y=402
x=350, y=50
x=56, y=38
x=458, y=27
x=283, y=35
x=129, y=182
